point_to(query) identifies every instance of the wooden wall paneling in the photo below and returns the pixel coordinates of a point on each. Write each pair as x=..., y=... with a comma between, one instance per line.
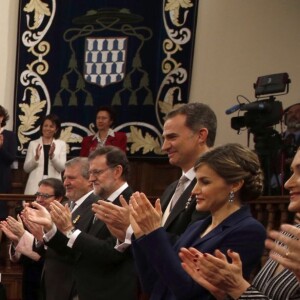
x=152, y=177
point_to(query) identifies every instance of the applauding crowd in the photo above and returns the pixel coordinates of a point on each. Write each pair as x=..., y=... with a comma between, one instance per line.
x=91, y=237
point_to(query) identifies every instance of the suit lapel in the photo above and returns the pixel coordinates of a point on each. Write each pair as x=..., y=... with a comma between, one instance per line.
x=83, y=215
x=166, y=197
x=194, y=239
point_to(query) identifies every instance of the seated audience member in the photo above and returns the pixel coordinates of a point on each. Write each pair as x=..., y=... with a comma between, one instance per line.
x=23, y=238
x=105, y=136
x=46, y=156
x=279, y=278
x=226, y=177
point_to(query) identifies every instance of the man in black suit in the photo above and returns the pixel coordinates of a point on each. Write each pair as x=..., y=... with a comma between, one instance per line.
x=57, y=276
x=100, y=271
x=189, y=131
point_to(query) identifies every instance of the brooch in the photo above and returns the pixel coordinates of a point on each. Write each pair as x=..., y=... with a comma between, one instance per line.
x=76, y=219
x=188, y=202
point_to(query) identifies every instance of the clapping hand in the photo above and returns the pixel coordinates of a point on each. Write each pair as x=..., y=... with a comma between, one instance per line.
x=114, y=216
x=215, y=273
x=6, y=229
x=286, y=249
x=38, y=151
x=144, y=217
x=34, y=228
x=38, y=214
x=16, y=226
x=51, y=151
x=61, y=216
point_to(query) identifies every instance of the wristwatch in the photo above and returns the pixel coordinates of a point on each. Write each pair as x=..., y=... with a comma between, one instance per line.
x=70, y=232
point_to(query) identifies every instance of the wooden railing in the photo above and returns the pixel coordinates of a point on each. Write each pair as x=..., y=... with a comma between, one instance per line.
x=271, y=211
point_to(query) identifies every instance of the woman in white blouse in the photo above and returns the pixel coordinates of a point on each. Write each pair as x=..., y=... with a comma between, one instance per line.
x=46, y=156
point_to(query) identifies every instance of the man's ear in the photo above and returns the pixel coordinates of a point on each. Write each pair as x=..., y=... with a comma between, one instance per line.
x=118, y=170
x=202, y=135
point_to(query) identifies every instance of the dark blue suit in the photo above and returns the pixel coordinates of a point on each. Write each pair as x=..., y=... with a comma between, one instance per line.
x=159, y=266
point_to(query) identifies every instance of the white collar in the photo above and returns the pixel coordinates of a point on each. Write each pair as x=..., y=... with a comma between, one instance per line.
x=80, y=200
x=110, y=132
x=118, y=192
x=190, y=174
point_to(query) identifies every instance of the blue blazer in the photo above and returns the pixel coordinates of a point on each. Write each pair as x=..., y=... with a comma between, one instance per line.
x=159, y=266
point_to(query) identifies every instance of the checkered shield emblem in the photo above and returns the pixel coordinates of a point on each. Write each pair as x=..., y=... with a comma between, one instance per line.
x=105, y=60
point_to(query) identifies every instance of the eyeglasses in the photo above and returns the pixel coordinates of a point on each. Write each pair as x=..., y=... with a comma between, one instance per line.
x=97, y=172
x=43, y=196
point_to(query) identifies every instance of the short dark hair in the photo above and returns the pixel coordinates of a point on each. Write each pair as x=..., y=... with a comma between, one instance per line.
x=54, y=119
x=4, y=113
x=234, y=162
x=114, y=157
x=198, y=115
x=110, y=110
x=84, y=165
x=56, y=184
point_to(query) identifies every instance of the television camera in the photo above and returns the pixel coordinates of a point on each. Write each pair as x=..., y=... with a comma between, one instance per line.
x=259, y=118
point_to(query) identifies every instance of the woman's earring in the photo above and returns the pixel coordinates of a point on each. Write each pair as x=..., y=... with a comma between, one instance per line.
x=231, y=197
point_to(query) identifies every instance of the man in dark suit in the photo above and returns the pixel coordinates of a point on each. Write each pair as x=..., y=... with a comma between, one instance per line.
x=189, y=131
x=57, y=277
x=100, y=271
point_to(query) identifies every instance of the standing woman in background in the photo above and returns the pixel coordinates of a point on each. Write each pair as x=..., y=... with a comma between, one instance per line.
x=46, y=156
x=8, y=153
x=105, y=136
